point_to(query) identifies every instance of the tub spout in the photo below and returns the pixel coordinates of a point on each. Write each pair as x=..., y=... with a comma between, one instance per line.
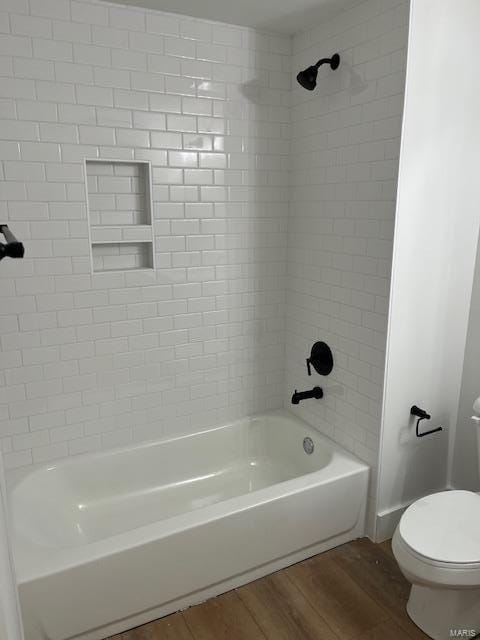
x=298, y=396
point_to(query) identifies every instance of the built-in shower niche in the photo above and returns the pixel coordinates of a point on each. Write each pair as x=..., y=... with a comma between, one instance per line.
x=121, y=256
x=120, y=215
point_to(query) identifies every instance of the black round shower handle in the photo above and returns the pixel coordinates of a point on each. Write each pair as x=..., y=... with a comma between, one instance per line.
x=321, y=359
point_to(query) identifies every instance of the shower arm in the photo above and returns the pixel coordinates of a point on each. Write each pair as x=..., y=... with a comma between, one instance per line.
x=323, y=61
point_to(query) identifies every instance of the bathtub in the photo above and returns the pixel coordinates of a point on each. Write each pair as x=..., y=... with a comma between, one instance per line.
x=106, y=542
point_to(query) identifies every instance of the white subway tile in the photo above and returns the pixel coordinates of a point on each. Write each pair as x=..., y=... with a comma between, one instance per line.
x=58, y=133
x=66, y=433
x=71, y=31
x=17, y=88
x=90, y=54
x=129, y=59
x=181, y=86
x=110, y=37
x=89, y=13
x=132, y=138
x=181, y=123
x=18, y=130
x=15, y=45
x=30, y=26
x=20, y=6
x=50, y=452
x=96, y=135
x=7, y=108
x=130, y=99
x=39, y=111
x=16, y=459
x=94, y=96
x=146, y=42
x=148, y=120
x=55, y=91
x=227, y=36
x=127, y=19
x=52, y=49
x=31, y=171
x=118, y=78
x=179, y=47
x=166, y=24
x=84, y=445
x=143, y=81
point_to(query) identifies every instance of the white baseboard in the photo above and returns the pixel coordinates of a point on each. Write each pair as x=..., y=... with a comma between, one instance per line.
x=386, y=523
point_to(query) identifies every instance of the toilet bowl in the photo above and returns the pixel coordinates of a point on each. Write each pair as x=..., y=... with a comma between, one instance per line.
x=437, y=547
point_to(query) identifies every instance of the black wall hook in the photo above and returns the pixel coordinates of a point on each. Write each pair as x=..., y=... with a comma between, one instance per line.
x=421, y=414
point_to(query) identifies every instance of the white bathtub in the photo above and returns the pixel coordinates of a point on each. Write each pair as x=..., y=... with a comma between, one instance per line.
x=108, y=541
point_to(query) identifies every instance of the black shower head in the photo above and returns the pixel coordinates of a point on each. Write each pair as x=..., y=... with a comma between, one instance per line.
x=308, y=77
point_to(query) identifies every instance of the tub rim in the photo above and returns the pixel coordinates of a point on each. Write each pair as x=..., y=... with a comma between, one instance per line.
x=24, y=473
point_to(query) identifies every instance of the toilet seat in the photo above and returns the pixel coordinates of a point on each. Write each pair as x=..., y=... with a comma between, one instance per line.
x=444, y=527
x=420, y=570
x=438, y=540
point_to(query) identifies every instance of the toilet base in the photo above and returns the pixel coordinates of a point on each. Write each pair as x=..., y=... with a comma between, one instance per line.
x=445, y=613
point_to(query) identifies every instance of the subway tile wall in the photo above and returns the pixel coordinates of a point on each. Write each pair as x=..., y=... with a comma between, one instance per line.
x=91, y=361
x=345, y=148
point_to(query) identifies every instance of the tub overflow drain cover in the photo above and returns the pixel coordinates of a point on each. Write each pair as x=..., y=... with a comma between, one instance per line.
x=308, y=445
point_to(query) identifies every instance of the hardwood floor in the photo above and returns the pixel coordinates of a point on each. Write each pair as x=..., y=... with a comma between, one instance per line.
x=353, y=592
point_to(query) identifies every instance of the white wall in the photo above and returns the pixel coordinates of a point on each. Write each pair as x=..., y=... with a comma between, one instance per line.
x=345, y=145
x=465, y=472
x=434, y=252
x=95, y=361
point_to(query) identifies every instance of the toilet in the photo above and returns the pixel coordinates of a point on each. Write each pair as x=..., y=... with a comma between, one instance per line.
x=437, y=547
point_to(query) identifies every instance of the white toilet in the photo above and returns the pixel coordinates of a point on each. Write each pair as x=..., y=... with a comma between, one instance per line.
x=437, y=546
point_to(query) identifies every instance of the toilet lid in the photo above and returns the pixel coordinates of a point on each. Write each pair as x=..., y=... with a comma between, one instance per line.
x=444, y=527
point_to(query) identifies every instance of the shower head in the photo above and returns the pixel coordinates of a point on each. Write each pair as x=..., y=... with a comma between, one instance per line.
x=308, y=77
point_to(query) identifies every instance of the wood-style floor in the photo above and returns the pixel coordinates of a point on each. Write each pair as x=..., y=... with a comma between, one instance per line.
x=353, y=592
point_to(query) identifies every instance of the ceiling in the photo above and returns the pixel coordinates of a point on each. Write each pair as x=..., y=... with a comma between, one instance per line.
x=282, y=16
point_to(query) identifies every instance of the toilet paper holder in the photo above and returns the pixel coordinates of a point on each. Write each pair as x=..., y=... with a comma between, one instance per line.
x=421, y=414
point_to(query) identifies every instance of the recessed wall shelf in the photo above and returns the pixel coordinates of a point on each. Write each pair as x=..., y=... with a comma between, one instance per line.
x=121, y=256
x=119, y=202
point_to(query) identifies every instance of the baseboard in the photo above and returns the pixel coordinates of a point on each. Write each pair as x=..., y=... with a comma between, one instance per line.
x=387, y=521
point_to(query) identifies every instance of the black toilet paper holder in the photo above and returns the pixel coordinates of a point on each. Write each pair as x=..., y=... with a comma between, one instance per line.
x=421, y=414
